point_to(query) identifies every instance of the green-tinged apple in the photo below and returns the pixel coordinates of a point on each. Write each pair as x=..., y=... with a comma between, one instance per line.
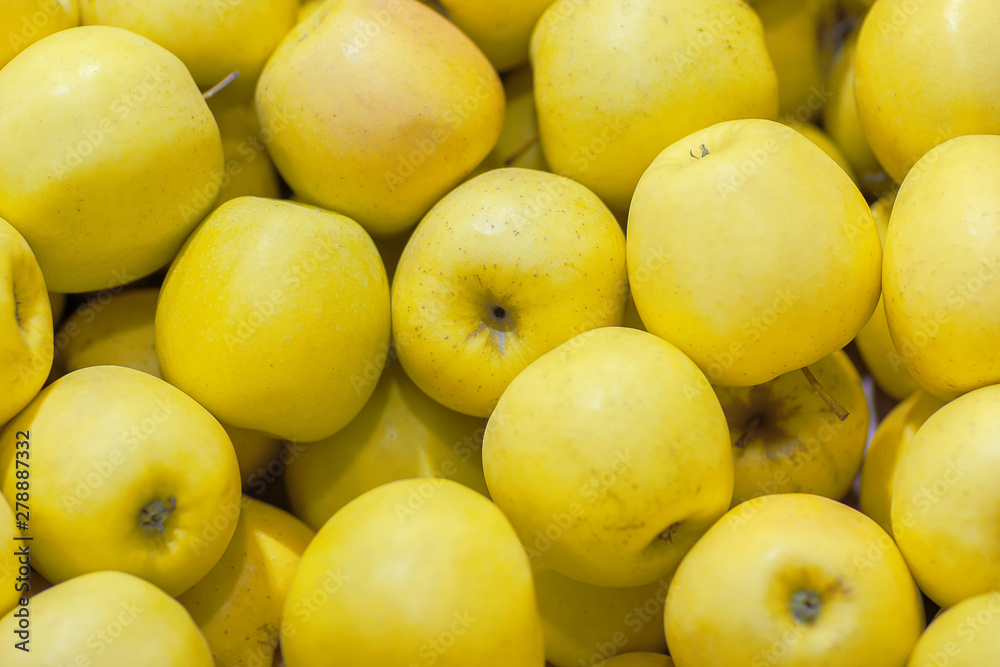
x=26, y=337
x=776, y=274
x=384, y=106
x=611, y=457
x=501, y=29
x=941, y=278
x=874, y=342
x=945, y=503
x=400, y=433
x=502, y=270
x=617, y=82
x=127, y=473
x=585, y=624
x=925, y=72
x=898, y=427
x=24, y=22
x=273, y=299
x=416, y=571
x=104, y=619
x=826, y=581
x=786, y=439
x=110, y=155
x=238, y=604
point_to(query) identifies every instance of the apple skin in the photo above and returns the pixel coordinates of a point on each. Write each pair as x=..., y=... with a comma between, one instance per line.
x=105, y=444
x=105, y=189
x=24, y=22
x=966, y=635
x=823, y=573
x=924, y=74
x=392, y=577
x=610, y=455
x=377, y=108
x=798, y=445
x=501, y=29
x=731, y=296
x=617, y=82
x=897, y=428
x=945, y=501
x=503, y=269
x=583, y=623
x=26, y=338
x=270, y=298
x=400, y=433
x=212, y=39
x=107, y=619
x=941, y=277
x=238, y=604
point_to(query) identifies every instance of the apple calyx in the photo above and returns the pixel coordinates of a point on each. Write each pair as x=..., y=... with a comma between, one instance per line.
x=818, y=389
x=806, y=606
x=748, y=431
x=154, y=515
x=704, y=152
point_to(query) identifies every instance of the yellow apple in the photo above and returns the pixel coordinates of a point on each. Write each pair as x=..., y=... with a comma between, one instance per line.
x=249, y=170
x=638, y=660
x=795, y=32
x=126, y=473
x=941, y=278
x=211, y=37
x=610, y=455
x=792, y=580
x=118, y=332
x=585, y=624
x=418, y=571
x=840, y=118
x=307, y=9
x=104, y=619
x=792, y=282
x=14, y=574
x=966, y=635
x=110, y=156
x=617, y=82
x=786, y=439
x=821, y=139
x=518, y=144
x=25, y=324
x=399, y=434
x=501, y=29
x=24, y=22
x=254, y=451
x=384, y=106
x=270, y=299
x=238, y=604
x=925, y=72
x=896, y=429
x=58, y=302
x=945, y=500
x=503, y=269
x=874, y=342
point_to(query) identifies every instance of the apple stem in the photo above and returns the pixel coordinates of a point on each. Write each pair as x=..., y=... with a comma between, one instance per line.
x=232, y=76
x=521, y=151
x=748, y=430
x=818, y=389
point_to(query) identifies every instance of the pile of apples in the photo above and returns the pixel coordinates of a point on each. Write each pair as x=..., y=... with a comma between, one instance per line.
x=380, y=333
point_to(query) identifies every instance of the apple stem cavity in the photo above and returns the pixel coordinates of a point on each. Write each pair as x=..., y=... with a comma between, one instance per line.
x=211, y=92
x=704, y=152
x=521, y=151
x=806, y=606
x=818, y=389
x=748, y=430
x=154, y=515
